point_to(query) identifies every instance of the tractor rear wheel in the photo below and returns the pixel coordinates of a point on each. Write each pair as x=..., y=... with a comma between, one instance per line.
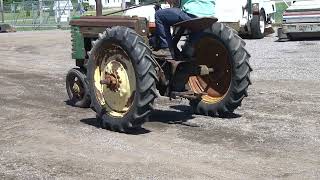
x=224, y=89
x=122, y=79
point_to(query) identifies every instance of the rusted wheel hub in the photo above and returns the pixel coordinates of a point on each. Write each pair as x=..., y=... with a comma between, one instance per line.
x=112, y=81
x=213, y=54
x=115, y=82
x=76, y=88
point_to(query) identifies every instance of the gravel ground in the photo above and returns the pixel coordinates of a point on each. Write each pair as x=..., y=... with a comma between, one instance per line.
x=275, y=137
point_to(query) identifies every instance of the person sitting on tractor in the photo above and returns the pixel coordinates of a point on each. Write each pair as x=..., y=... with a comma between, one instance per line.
x=165, y=18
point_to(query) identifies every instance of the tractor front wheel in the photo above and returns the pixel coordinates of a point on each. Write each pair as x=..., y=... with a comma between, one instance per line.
x=122, y=79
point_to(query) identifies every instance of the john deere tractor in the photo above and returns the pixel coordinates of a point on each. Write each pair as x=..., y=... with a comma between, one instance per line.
x=118, y=76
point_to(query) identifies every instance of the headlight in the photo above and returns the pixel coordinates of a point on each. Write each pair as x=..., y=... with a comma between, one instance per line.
x=255, y=7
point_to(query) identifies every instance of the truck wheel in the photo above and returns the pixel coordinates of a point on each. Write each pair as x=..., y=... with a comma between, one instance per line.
x=223, y=90
x=77, y=88
x=122, y=79
x=258, y=25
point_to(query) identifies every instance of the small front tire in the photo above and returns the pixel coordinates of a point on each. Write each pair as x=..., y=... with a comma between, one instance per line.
x=77, y=88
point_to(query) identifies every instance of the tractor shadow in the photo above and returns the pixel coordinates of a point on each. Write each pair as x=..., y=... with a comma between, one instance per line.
x=179, y=116
x=69, y=103
x=94, y=122
x=188, y=109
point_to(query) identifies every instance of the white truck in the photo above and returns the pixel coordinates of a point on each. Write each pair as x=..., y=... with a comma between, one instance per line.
x=250, y=17
x=300, y=20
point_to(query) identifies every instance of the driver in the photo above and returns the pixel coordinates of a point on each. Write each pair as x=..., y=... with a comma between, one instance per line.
x=165, y=18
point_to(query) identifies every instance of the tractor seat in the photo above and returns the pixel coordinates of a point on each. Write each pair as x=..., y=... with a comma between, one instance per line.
x=196, y=24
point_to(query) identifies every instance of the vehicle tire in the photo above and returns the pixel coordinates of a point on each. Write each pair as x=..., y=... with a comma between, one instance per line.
x=223, y=90
x=126, y=101
x=258, y=25
x=77, y=88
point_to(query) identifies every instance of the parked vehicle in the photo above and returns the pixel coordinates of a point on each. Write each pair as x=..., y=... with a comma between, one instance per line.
x=250, y=17
x=301, y=19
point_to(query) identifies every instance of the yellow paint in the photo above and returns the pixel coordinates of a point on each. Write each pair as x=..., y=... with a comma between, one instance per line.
x=116, y=102
x=98, y=87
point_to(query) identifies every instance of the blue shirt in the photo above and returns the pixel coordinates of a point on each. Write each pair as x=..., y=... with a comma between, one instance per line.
x=200, y=8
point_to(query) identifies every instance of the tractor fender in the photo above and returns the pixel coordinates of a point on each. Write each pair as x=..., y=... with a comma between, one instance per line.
x=196, y=24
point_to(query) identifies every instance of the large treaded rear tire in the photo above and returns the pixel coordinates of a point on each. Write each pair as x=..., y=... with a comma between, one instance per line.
x=240, y=80
x=145, y=93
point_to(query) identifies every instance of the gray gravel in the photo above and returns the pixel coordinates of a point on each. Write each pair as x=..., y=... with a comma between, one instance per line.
x=275, y=137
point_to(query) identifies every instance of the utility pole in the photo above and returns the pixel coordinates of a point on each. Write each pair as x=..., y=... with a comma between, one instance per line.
x=1, y=9
x=98, y=8
x=40, y=11
x=123, y=4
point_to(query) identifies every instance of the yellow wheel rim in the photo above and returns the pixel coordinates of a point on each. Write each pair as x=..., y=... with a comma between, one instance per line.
x=116, y=97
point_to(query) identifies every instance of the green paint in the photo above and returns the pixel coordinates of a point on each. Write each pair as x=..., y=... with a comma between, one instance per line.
x=281, y=7
x=78, y=50
x=249, y=6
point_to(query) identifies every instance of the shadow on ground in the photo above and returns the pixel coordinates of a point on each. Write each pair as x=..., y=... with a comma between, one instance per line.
x=180, y=115
x=94, y=122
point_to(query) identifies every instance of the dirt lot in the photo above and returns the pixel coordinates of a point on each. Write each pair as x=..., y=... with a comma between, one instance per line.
x=277, y=135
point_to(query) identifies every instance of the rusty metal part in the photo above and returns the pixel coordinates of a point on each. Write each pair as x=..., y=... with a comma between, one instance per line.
x=216, y=84
x=112, y=81
x=181, y=71
x=190, y=68
x=115, y=80
x=197, y=24
x=93, y=25
x=77, y=89
x=186, y=94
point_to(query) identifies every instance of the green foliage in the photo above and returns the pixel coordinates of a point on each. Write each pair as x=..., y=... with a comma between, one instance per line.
x=281, y=7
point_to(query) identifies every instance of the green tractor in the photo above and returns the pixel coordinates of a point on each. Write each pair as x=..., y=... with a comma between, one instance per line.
x=119, y=77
